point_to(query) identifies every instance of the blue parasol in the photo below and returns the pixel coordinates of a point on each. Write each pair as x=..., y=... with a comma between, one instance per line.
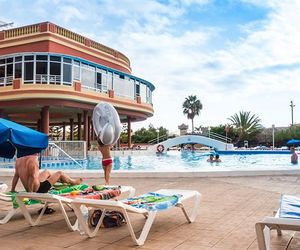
x=293, y=142
x=26, y=141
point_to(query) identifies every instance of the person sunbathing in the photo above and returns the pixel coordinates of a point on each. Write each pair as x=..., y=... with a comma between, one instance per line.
x=27, y=170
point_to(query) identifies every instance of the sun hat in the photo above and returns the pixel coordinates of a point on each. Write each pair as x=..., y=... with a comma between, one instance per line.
x=106, y=122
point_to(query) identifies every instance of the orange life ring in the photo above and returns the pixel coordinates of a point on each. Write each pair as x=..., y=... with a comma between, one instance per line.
x=160, y=148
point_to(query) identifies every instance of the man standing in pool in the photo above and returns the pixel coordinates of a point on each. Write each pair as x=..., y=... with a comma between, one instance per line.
x=294, y=156
x=107, y=127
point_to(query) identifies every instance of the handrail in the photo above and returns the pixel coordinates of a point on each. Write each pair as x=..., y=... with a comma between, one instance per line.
x=160, y=139
x=64, y=152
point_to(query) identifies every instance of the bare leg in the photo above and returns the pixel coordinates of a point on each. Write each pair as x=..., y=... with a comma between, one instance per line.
x=60, y=176
x=107, y=171
x=44, y=175
x=105, y=151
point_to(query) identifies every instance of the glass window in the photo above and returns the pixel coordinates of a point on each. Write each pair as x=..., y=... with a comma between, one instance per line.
x=2, y=71
x=76, y=62
x=54, y=68
x=9, y=70
x=55, y=58
x=28, y=71
x=88, y=77
x=137, y=89
x=143, y=92
x=42, y=68
x=67, y=73
x=18, y=58
x=28, y=58
x=76, y=72
x=9, y=60
x=2, y=61
x=42, y=58
x=99, y=78
x=18, y=70
x=67, y=60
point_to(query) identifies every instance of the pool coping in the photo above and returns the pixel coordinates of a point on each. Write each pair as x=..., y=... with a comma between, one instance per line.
x=165, y=174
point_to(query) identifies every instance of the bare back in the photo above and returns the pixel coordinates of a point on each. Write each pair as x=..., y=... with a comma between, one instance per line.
x=28, y=172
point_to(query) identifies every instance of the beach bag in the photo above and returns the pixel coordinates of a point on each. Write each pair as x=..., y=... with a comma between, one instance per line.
x=111, y=219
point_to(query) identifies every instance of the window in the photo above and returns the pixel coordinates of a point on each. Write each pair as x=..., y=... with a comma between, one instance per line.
x=18, y=58
x=42, y=68
x=76, y=70
x=67, y=73
x=28, y=58
x=18, y=70
x=54, y=68
x=137, y=89
x=28, y=71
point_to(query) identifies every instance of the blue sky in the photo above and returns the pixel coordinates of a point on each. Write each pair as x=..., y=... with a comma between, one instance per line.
x=234, y=55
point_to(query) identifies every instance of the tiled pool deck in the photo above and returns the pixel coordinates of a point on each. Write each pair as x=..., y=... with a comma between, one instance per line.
x=229, y=208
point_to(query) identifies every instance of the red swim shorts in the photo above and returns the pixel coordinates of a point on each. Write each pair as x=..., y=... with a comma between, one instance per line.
x=106, y=162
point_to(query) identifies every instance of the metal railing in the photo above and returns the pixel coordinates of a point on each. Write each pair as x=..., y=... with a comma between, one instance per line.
x=67, y=149
x=158, y=139
x=6, y=81
x=213, y=135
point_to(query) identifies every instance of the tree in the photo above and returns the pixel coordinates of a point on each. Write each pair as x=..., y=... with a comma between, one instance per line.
x=144, y=135
x=247, y=125
x=191, y=107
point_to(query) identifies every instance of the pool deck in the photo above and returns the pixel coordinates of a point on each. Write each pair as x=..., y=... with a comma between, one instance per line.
x=230, y=207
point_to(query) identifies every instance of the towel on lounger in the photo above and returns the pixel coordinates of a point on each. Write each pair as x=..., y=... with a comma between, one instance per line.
x=290, y=207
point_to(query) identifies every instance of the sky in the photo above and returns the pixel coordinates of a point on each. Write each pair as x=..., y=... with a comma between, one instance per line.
x=233, y=55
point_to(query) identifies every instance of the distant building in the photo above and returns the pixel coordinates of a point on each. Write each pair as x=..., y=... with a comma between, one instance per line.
x=51, y=76
x=183, y=129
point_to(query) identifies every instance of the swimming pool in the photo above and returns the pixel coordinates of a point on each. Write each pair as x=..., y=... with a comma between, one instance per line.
x=196, y=161
x=186, y=161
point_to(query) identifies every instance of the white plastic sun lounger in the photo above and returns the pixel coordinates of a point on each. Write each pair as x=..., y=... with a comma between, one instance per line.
x=109, y=205
x=7, y=198
x=60, y=200
x=279, y=223
x=11, y=212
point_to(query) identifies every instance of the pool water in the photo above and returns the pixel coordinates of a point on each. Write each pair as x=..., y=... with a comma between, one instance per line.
x=176, y=161
x=197, y=161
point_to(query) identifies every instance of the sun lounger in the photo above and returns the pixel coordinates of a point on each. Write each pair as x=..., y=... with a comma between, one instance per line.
x=120, y=206
x=56, y=199
x=7, y=197
x=286, y=218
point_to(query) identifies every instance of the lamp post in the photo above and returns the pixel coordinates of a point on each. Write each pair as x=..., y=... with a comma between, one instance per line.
x=292, y=110
x=273, y=133
x=209, y=132
x=157, y=130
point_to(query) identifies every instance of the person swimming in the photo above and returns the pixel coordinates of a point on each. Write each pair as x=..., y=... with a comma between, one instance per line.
x=211, y=158
x=217, y=158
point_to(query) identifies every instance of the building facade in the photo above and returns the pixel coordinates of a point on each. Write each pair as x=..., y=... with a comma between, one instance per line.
x=51, y=76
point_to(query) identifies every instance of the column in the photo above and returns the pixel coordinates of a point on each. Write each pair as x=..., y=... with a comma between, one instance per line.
x=64, y=131
x=71, y=128
x=129, y=131
x=45, y=119
x=85, y=126
x=89, y=132
x=79, y=126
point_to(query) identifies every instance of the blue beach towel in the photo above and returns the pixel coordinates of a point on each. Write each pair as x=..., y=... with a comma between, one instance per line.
x=290, y=207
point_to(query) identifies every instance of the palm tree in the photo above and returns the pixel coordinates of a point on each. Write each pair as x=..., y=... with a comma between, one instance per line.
x=247, y=125
x=192, y=107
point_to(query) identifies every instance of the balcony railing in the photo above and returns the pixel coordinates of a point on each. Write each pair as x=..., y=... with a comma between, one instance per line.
x=6, y=81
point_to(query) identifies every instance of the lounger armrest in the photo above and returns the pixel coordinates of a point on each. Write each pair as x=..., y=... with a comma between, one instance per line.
x=43, y=197
x=281, y=221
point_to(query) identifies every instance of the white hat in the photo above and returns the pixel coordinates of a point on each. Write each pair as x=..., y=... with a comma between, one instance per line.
x=106, y=122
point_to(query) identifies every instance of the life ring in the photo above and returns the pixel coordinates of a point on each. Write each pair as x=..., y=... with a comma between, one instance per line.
x=106, y=122
x=160, y=148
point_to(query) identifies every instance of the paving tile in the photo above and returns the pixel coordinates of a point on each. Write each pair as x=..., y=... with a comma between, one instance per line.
x=229, y=209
